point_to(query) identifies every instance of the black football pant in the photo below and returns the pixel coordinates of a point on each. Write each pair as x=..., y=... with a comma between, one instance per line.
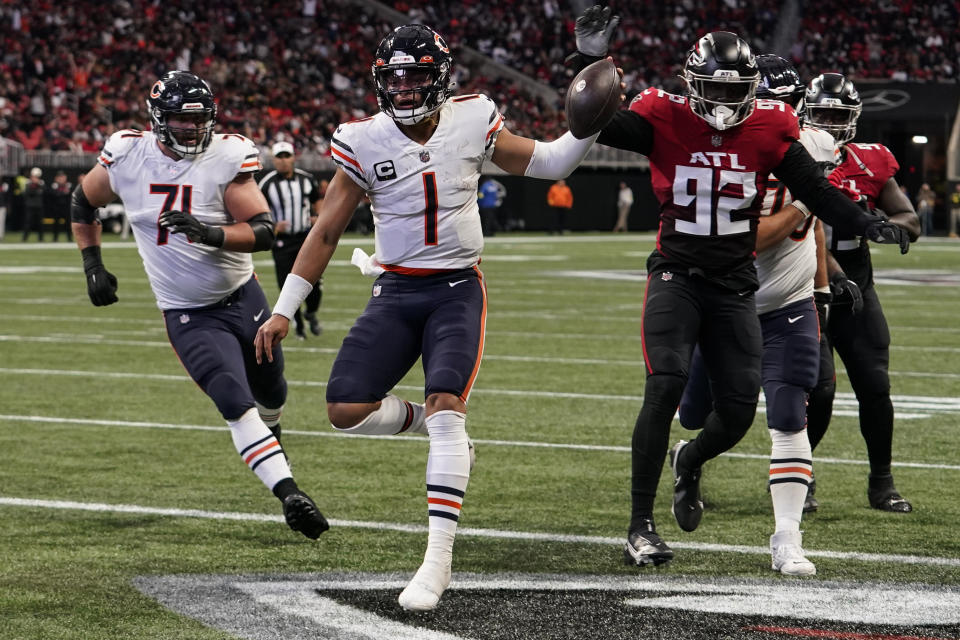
x=863, y=343
x=285, y=251
x=679, y=312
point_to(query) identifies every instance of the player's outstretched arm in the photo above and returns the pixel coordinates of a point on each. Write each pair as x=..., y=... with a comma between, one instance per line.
x=806, y=182
x=897, y=206
x=343, y=196
x=535, y=159
x=94, y=192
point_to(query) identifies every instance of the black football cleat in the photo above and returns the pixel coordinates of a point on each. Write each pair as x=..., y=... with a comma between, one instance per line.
x=884, y=496
x=810, y=503
x=314, y=323
x=687, y=505
x=302, y=515
x=645, y=547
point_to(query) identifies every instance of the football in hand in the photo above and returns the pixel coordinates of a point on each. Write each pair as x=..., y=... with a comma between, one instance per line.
x=592, y=98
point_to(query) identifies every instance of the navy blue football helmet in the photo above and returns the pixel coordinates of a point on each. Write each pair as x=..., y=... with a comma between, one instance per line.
x=780, y=81
x=184, y=97
x=411, y=72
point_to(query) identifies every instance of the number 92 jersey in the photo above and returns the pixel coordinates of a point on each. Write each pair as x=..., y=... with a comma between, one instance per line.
x=182, y=274
x=711, y=183
x=423, y=197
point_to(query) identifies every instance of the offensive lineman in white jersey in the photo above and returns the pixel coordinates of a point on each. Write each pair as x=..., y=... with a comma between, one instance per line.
x=791, y=258
x=196, y=215
x=419, y=161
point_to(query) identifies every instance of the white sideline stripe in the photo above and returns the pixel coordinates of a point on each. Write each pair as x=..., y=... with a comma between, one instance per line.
x=463, y=531
x=420, y=439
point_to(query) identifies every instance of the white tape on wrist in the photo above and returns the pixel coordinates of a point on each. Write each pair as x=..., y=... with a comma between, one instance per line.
x=295, y=291
x=802, y=207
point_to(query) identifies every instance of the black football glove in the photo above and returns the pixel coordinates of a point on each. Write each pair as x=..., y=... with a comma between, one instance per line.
x=846, y=291
x=182, y=222
x=593, y=31
x=885, y=232
x=101, y=284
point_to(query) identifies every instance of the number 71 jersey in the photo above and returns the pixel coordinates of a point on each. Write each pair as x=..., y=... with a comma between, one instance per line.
x=182, y=274
x=423, y=197
x=711, y=183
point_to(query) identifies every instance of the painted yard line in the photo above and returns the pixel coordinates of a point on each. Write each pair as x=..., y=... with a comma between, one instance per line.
x=67, y=505
x=70, y=338
x=420, y=439
x=929, y=403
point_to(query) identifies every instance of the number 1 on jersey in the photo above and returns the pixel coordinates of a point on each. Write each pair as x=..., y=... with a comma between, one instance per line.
x=430, y=208
x=170, y=191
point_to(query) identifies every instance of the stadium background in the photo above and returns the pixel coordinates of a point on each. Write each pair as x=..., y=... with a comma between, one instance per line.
x=71, y=74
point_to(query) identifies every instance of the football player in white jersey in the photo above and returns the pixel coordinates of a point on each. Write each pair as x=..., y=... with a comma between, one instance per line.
x=419, y=161
x=196, y=215
x=791, y=259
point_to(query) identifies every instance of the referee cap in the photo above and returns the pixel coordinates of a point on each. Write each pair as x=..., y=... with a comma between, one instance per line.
x=282, y=147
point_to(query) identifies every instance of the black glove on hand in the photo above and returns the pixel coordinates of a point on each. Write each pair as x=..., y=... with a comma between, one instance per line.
x=182, y=222
x=886, y=232
x=101, y=284
x=593, y=31
x=846, y=291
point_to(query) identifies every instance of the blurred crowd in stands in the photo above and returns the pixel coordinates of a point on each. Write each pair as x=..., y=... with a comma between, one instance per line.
x=73, y=72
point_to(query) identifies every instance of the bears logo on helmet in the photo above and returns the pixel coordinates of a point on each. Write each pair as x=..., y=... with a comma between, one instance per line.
x=184, y=98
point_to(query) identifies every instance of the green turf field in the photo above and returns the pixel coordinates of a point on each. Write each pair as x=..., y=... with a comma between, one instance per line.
x=101, y=431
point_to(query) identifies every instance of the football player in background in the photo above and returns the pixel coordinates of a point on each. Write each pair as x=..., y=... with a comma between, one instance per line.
x=856, y=326
x=710, y=153
x=419, y=161
x=790, y=256
x=196, y=215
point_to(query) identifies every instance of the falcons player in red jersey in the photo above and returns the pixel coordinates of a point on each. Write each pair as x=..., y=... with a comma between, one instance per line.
x=710, y=154
x=856, y=327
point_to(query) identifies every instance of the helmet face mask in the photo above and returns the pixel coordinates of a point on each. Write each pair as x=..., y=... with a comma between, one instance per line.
x=412, y=73
x=721, y=76
x=833, y=104
x=183, y=113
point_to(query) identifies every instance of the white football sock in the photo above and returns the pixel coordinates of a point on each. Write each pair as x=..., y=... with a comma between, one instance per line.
x=791, y=466
x=448, y=472
x=259, y=448
x=394, y=416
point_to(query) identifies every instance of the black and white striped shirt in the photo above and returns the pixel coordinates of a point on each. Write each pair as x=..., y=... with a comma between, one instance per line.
x=291, y=199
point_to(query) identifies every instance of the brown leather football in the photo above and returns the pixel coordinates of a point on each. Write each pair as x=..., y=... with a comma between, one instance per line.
x=592, y=98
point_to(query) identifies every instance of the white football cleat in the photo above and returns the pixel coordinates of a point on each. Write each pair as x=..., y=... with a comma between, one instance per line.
x=428, y=584
x=788, y=556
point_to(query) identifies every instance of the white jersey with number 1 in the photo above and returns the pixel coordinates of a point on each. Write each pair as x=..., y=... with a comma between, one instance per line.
x=786, y=270
x=182, y=274
x=423, y=197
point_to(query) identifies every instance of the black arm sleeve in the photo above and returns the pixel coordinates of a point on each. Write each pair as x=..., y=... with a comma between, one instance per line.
x=80, y=208
x=262, y=225
x=579, y=61
x=628, y=130
x=806, y=182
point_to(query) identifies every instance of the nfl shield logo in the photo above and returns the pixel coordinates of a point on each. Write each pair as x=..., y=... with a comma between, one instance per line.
x=425, y=156
x=184, y=318
x=666, y=276
x=716, y=140
x=376, y=290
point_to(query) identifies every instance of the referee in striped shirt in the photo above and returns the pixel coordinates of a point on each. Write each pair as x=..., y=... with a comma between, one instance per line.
x=294, y=199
